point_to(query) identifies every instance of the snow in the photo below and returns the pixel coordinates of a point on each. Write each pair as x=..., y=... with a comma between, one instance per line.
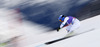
x=89, y=39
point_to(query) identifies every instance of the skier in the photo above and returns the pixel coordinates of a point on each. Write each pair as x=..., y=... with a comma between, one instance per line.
x=69, y=22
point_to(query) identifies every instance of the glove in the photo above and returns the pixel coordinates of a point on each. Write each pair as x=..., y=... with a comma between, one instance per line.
x=58, y=29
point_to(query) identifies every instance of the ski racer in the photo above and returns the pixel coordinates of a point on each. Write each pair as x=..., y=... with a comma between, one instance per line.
x=70, y=23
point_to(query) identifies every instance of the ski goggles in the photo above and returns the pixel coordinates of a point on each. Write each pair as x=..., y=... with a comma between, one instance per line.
x=62, y=19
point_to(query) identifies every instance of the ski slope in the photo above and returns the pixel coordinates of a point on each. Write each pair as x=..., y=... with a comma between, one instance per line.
x=33, y=35
x=89, y=39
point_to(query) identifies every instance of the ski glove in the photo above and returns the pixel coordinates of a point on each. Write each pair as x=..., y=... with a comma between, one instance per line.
x=58, y=29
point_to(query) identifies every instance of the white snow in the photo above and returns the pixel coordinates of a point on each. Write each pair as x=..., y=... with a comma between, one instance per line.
x=89, y=39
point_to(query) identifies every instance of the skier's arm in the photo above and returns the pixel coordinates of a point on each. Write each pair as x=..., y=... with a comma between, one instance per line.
x=63, y=23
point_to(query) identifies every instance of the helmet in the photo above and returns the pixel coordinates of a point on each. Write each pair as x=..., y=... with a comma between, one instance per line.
x=61, y=18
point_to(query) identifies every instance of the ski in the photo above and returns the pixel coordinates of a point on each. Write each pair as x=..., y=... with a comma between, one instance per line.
x=57, y=40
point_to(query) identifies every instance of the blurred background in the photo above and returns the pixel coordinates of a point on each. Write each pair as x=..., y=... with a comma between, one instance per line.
x=18, y=16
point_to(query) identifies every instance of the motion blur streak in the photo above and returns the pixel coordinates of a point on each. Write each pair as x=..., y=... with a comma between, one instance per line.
x=45, y=12
x=9, y=25
x=14, y=31
x=24, y=22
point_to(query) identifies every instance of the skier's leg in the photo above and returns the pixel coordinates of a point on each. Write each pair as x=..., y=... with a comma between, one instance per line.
x=68, y=27
x=69, y=33
x=75, y=25
x=72, y=27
